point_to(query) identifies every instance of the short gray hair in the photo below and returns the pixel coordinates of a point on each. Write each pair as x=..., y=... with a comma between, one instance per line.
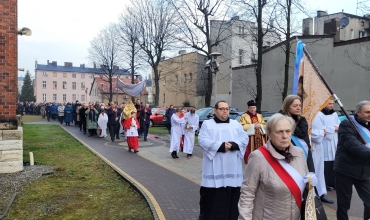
x=360, y=104
x=273, y=120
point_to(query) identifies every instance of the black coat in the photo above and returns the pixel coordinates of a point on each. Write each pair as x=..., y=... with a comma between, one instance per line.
x=145, y=116
x=352, y=157
x=112, y=116
x=301, y=131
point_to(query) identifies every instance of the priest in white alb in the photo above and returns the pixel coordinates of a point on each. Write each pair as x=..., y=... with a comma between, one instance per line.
x=190, y=127
x=223, y=142
x=176, y=132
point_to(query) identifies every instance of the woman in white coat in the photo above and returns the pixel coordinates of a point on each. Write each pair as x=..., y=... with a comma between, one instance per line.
x=102, y=122
x=176, y=132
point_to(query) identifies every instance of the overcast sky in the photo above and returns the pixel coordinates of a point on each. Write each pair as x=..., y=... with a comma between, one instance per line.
x=62, y=29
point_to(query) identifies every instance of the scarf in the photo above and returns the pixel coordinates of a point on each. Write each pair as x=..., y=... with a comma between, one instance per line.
x=288, y=156
x=92, y=116
x=327, y=111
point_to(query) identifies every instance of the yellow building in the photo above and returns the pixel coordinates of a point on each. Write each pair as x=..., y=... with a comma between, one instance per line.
x=182, y=79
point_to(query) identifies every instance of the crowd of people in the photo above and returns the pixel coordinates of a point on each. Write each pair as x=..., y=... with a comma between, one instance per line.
x=280, y=158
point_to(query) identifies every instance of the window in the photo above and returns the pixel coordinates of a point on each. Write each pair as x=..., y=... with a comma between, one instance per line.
x=44, y=84
x=82, y=75
x=64, y=97
x=54, y=97
x=54, y=84
x=74, y=85
x=241, y=30
x=361, y=34
x=74, y=97
x=44, y=74
x=176, y=79
x=82, y=85
x=64, y=85
x=73, y=75
x=352, y=34
x=164, y=81
x=55, y=74
x=190, y=77
x=91, y=76
x=241, y=57
x=82, y=98
x=184, y=78
x=164, y=98
x=44, y=97
x=64, y=75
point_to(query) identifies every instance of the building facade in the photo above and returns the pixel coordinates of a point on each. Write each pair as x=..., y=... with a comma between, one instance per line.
x=238, y=47
x=345, y=66
x=182, y=79
x=352, y=26
x=65, y=83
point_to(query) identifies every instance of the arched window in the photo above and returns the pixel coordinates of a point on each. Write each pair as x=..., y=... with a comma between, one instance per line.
x=184, y=78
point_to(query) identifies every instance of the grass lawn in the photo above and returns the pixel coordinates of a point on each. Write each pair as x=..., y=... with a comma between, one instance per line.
x=32, y=118
x=82, y=187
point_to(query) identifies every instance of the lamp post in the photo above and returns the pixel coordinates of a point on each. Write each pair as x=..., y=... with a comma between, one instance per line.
x=86, y=93
x=102, y=92
x=212, y=65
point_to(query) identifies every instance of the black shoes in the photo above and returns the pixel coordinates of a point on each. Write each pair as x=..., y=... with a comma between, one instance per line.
x=129, y=150
x=188, y=156
x=173, y=154
x=325, y=199
x=135, y=151
x=330, y=188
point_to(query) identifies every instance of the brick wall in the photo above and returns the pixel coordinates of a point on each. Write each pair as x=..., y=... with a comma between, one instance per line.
x=8, y=60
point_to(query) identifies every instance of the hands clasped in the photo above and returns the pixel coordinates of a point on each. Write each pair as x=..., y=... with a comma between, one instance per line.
x=313, y=177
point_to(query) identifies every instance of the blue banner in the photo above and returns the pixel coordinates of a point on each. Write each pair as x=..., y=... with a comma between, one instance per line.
x=298, y=60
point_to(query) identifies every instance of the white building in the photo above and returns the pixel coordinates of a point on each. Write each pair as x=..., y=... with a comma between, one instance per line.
x=238, y=46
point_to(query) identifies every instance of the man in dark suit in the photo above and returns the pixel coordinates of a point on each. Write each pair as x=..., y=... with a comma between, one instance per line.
x=352, y=161
x=145, y=120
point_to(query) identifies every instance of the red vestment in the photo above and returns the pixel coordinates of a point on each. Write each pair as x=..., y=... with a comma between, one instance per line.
x=255, y=141
x=132, y=141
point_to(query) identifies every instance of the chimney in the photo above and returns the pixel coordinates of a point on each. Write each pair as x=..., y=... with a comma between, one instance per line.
x=82, y=65
x=115, y=67
x=48, y=62
x=69, y=64
x=54, y=63
x=94, y=65
x=181, y=52
x=321, y=13
x=307, y=26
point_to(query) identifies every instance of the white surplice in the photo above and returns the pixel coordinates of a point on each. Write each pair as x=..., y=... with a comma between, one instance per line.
x=102, y=122
x=330, y=141
x=176, y=132
x=132, y=131
x=221, y=169
x=192, y=121
x=317, y=136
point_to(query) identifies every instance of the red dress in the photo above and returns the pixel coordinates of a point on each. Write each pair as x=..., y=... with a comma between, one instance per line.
x=132, y=139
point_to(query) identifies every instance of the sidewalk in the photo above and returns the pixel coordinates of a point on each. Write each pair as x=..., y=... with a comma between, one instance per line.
x=170, y=186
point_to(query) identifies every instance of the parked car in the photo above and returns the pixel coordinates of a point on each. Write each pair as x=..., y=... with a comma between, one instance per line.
x=157, y=116
x=207, y=113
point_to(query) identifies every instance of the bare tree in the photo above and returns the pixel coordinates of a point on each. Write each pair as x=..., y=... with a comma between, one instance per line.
x=104, y=53
x=195, y=29
x=129, y=33
x=156, y=22
x=262, y=11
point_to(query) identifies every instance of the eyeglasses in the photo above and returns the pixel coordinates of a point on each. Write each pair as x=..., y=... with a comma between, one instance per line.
x=223, y=109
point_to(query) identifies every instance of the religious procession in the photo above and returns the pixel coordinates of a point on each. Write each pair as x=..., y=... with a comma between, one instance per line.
x=284, y=168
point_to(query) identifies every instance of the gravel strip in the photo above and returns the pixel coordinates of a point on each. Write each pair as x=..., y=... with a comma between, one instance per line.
x=11, y=183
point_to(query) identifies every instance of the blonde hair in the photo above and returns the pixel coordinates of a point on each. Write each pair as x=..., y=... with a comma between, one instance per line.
x=287, y=102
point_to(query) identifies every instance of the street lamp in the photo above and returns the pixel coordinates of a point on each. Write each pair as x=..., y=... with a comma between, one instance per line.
x=213, y=66
x=102, y=92
x=86, y=93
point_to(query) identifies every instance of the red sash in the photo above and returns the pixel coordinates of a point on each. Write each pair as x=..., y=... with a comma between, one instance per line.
x=284, y=175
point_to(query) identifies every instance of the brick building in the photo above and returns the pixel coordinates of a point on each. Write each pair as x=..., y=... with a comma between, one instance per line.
x=8, y=63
